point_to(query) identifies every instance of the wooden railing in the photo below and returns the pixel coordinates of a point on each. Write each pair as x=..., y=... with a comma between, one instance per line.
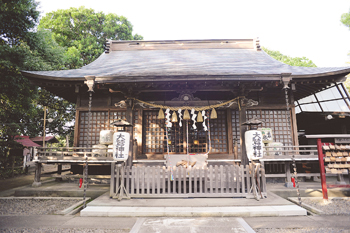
x=72, y=154
x=167, y=182
x=278, y=162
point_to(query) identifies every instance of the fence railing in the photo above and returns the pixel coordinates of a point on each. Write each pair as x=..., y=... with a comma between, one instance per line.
x=72, y=154
x=172, y=182
x=298, y=151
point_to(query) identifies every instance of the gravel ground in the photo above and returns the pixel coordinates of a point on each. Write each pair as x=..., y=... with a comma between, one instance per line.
x=61, y=230
x=303, y=230
x=23, y=207
x=332, y=207
x=32, y=206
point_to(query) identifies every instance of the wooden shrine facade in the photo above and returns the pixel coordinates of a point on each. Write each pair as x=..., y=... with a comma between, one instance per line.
x=131, y=77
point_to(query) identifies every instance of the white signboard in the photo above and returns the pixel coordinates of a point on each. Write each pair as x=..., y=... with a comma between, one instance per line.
x=266, y=134
x=342, y=140
x=254, y=144
x=121, y=141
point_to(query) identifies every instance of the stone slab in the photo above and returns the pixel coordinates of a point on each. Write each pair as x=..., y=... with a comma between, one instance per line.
x=247, y=211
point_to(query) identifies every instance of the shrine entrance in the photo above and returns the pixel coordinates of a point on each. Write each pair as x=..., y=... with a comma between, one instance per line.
x=155, y=140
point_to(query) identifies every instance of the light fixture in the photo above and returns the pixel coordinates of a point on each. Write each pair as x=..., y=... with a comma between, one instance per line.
x=195, y=142
x=329, y=117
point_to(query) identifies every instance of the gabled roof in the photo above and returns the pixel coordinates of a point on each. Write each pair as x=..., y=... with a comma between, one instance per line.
x=51, y=139
x=25, y=141
x=142, y=61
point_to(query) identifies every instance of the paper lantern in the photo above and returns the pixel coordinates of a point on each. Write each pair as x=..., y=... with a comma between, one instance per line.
x=160, y=114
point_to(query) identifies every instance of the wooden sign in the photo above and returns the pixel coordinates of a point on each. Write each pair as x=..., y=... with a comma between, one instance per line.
x=121, y=141
x=267, y=135
x=342, y=140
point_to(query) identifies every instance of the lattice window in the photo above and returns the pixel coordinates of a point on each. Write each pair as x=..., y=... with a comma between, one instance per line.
x=153, y=133
x=100, y=120
x=218, y=134
x=276, y=120
x=197, y=139
x=236, y=133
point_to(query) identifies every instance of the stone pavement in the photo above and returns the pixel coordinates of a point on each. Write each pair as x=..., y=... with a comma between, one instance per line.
x=192, y=207
x=78, y=223
x=172, y=224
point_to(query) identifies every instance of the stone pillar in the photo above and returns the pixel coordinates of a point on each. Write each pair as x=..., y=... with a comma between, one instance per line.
x=37, y=176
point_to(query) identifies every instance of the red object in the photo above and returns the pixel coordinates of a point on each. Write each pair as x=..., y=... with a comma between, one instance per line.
x=80, y=182
x=293, y=181
x=322, y=170
x=26, y=141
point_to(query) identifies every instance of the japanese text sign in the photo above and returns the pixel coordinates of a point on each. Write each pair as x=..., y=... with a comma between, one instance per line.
x=121, y=141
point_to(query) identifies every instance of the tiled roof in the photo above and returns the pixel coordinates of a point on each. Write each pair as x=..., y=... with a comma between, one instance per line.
x=201, y=62
x=47, y=139
x=25, y=141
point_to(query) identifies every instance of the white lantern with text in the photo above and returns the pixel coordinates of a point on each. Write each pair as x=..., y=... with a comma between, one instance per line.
x=254, y=144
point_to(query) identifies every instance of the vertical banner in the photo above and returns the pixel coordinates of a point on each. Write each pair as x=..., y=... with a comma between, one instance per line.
x=121, y=141
x=254, y=144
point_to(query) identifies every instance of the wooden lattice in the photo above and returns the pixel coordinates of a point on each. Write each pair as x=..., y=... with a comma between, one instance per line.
x=277, y=120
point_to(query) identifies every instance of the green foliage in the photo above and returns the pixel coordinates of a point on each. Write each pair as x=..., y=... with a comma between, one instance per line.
x=292, y=61
x=17, y=18
x=21, y=103
x=345, y=19
x=347, y=83
x=7, y=172
x=84, y=32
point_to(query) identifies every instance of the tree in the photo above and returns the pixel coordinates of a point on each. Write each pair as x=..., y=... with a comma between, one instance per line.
x=17, y=18
x=21, y=48
x=345, y=19
x=84, y=32
x=292, y=61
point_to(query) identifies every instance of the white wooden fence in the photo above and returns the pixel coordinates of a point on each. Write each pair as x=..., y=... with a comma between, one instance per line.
x=163, y=182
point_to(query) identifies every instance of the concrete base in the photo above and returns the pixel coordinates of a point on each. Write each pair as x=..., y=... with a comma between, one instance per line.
x=288, y=184
x=247, y=211
x=36, y=184
x=192, y=207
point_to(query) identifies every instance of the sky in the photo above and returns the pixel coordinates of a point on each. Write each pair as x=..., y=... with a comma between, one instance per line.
x=297, y=28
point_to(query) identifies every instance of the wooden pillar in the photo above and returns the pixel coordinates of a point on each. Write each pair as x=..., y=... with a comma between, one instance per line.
x=130, y=118
x=112, y=181
x=243, y=129
x=37, y=176
x=59, y=172
x=229, y=132
x=293, y=122
x=288, y=183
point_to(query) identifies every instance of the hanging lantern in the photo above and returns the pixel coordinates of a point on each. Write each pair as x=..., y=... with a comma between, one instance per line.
x=174, y=117
x=186, y=115
x=213, y=114
x=160, y=114
x=199, y=118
